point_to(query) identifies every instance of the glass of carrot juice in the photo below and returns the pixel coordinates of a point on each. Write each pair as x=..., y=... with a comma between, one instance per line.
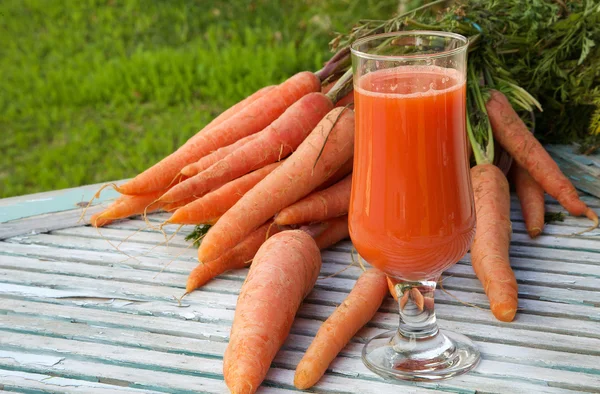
x=411, y=212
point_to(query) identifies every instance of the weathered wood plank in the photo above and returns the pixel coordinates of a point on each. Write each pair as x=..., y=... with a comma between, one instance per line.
x=203, y=366
x=488, y=368
x=119, y=304
x=34, y=325
x=118, y=376
x=26, y=382
x=583, y=171
x=92, y=257
x=123, y=282
x=341, y=258
x=129, y=250
x=590, y=242
x=19, y=207
x=194, y=330
x=135, y=249
x=46, y=222
x=556, y=334
x=337, y=262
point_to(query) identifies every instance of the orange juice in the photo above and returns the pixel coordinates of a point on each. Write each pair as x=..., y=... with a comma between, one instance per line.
x=411, y=211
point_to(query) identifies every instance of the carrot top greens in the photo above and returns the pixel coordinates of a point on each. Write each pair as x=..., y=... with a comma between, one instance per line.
x=539, y=53
x=197, y=234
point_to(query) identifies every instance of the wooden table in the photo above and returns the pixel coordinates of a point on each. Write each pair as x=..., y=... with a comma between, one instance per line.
x=79, y=316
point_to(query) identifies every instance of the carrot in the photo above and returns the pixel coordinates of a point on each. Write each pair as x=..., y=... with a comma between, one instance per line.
x=337, y=176
x=531, y=196
x=284, y=271
x=357, y=309
x=209, y=208
x=179, y=204
x=241, y=255
x=510, y=131
x=233, y=110
x=329, y=145
x=237, y=257
x=322, y=205
x=210, y=159
x=336, y=230
x=278, y=140
x=254, y=117
x=96, y=221
x=489, y=251
x=126, y=206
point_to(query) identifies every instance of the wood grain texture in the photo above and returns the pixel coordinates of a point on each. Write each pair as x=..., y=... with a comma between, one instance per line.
x=83, y=312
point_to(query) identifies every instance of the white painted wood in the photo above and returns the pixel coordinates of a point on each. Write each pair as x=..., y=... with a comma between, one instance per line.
x=195, y=365
x=128, y=250
x=563, y=239
x=46, y=222
x=219, y=309
x=102, y=258
x=124, y=282
x=118, y=376
x=35, y=325
x=74, y=308
x=147, y=238
x=17, y=381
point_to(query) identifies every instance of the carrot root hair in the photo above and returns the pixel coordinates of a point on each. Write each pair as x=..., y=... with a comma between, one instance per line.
x=95, y=196
x=178, y=254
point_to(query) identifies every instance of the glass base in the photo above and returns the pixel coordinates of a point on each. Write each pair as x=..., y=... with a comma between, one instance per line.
x=441, y=356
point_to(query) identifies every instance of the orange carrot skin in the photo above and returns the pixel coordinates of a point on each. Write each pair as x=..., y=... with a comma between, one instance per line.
x=282, y=274
x=275, y=142
x=293, y=180
x=515, y=138
x=489, y=251
x=231, y=111
x=318, y=206
x=179, y=204
x=531, y=196
x=337, y=230
x=210, y=159
x=207, y=209
x=357, y=310
x=97, y=221
x=337, y=176
x=126, y=206
x=237, y=257
x=251, y=119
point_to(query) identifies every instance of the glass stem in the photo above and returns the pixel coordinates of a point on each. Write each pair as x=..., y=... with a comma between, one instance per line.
x=417, y=314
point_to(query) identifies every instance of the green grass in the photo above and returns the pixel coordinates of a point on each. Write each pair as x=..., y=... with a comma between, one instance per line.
x=94, y=91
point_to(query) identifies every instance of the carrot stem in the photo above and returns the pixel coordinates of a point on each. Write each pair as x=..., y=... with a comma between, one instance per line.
x=342, y=87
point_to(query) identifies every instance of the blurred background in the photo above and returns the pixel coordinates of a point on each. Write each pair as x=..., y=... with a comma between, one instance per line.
x=98, y=90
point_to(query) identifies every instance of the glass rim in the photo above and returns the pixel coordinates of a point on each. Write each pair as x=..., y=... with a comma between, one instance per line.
x=462, y=39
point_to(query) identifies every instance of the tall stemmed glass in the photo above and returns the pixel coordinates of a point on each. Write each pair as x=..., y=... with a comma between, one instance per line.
x=411, y=212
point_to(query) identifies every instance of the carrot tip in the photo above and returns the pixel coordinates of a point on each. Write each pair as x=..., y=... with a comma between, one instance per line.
x=504, y=311
x=590, y=214
x=534, y=232
x=300, y=380
x=506, y=315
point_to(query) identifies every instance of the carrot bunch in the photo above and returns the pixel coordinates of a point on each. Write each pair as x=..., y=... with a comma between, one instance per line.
x=273, y=176
x=273, y=153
